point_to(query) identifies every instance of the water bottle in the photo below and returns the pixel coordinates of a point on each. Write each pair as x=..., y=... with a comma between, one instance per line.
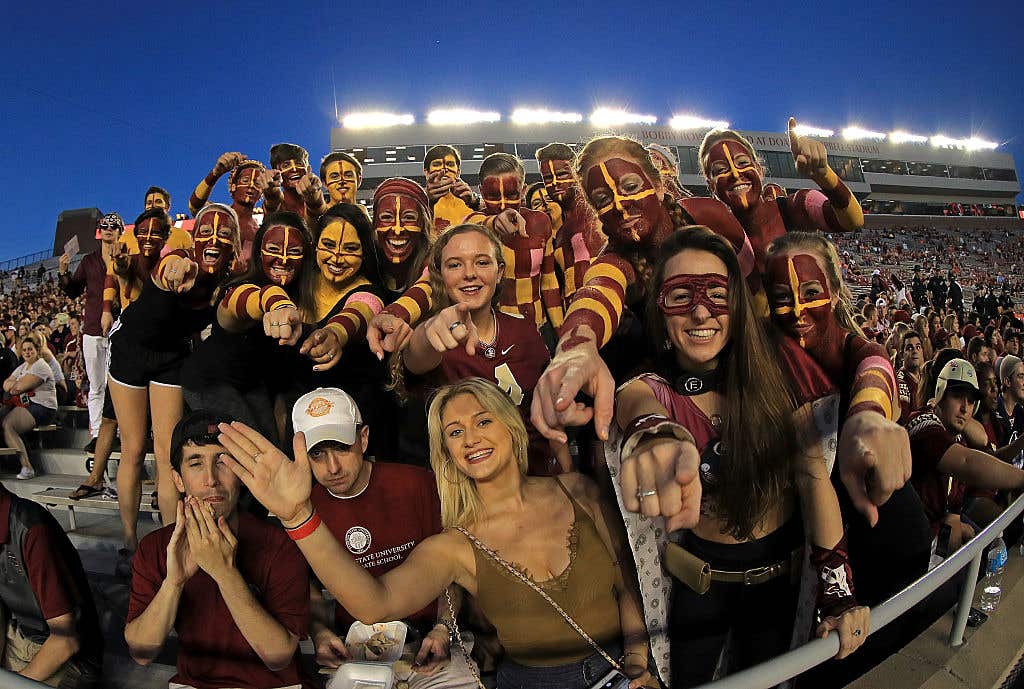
x=992, y=584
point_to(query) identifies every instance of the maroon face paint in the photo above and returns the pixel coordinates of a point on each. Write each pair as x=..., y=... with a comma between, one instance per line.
x=501, y=192
x=681, y=294
x=213, y=244
x=625, y=198
x=281, y=253
x=557, y=176
x=801, y=302
x=150, y=237
x=733, y=172
x=399, y=225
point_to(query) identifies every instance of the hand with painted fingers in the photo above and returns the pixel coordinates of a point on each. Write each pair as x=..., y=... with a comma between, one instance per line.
x=310, y=188
x=210, y=540
x=179, y=274
x=181, y=566
x=387, y=333
x=453, y=327
x=660, y=478
x=464, y=192
x=874, y=461
x=809, y=154
x=330, y=649
x=280, y=484
x=434, y=651
x=508, y=222
x=852, y=625
x=323, y=347
x=437, y=186
x=283, y=325
x=574, y=368
x=227, y=162
x=269, y=182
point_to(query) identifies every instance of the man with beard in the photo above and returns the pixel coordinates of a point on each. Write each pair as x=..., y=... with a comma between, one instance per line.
x=290, y=185
x=450, y=197
x=242, y=185
x=908, y=378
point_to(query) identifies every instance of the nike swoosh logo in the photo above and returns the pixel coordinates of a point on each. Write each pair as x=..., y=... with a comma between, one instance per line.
x=506, y=351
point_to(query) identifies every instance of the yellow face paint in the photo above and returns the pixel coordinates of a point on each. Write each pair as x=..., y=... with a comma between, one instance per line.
x=339, y=252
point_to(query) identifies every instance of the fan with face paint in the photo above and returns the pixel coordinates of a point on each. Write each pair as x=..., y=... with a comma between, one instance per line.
x=735, y=176
x=151, y=231
x=242, y=184
x=341, y=174
x=339, y=253
x=281, y=252
x=400, y=219
x=215, y=238
x=626, y=199
x=801, y=301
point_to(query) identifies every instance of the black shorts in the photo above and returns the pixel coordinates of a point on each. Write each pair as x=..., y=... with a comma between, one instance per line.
x=136, y=367
x=108, y=404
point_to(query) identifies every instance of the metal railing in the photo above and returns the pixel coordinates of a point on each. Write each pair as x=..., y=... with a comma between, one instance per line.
x=28, y=259
x=813, y=653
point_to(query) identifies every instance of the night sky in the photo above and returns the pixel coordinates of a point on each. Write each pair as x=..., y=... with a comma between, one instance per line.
x=101, y=100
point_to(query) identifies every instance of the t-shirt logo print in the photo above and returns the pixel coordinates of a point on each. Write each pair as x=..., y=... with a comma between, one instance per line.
x=319, y=407
x=357, y=540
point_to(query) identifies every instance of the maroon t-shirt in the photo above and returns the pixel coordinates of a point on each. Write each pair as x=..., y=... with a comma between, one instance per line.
x=89, y=277
x=380, y=526
x=520, y=356
x=940, y=493
x=212, y=652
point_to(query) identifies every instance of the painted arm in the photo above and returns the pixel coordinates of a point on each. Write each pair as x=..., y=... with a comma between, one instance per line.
x=414, y=302
x=351, y=322
x=833, y=209
x=598, y=303
x=245, y=304
x=550, y=291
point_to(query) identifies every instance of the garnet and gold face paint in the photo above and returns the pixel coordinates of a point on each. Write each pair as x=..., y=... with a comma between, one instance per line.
x=501, y=192
x=213, y=240
x=155, y=200
x=801, y=301
x=243, y=189
x=342, y=181
x=399, y=225
x=151, y=237
x=540, y=201
x=557, y=176
x=734, y=176
x=664, y=165
x=292, y=171
x=625, y=199
x=772, y=192
x=281, y=253
x=447, y=165
x=339, y=253
x=681, y=294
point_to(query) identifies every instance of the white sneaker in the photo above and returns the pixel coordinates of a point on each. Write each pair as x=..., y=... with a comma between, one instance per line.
x=25, y=473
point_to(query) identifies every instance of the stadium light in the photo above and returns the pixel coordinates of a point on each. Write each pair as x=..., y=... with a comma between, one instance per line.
x=694, y=122
x=367, y=120
x=808, y=130
x=901, y=137
x=971, y=144
x=612, y=117
x=461, y=116
x=854, y=133
x=542, y=116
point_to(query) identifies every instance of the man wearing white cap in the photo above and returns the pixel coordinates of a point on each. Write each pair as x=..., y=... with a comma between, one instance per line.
x=379, y=511
x=942, y=462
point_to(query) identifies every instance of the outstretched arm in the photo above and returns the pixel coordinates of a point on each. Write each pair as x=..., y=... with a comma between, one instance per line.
x=201, y=194
x=834, y=208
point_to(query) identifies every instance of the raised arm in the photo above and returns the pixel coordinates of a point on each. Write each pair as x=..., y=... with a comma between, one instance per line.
x=225, y=163
x=834, y=208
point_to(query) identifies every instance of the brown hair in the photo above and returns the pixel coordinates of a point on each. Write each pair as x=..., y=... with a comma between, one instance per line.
x=757, y=424
x=712, y=138
x=920, y=324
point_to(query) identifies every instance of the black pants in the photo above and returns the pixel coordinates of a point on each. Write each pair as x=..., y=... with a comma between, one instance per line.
x=757, y=618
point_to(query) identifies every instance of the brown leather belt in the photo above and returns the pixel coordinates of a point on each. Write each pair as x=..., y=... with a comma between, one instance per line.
x=698, y=575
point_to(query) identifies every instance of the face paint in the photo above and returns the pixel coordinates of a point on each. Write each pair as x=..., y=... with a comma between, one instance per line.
x=682, y=294
x=341, y=180
x=213, y=240
x=501, y=192
x=735, y=179
x=772, y=192
x=292, y=171
x=243, y=190
x=398, y=222
x=339, y=253
x=800, y=296
x=447, y=166
x=557, y=176
x=625, y=198
x=155, y=200
x=150, y=237
x=281, y=253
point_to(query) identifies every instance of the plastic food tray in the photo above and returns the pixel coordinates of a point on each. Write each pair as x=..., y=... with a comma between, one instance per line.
x=355, y=675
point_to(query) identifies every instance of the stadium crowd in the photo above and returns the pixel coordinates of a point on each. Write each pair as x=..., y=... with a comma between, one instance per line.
x=592, y=425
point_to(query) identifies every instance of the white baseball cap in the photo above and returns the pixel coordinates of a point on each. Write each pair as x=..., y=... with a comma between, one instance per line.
x=327, y=414
x=957, y=373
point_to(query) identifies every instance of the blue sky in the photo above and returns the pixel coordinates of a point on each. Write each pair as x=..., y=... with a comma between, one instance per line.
x=100, y=100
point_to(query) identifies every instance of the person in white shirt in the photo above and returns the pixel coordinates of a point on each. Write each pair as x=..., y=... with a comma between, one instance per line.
x=30, y=399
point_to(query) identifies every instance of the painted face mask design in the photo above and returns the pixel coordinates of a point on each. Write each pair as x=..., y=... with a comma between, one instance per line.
x=625, y=198
x=501, y=192
x=557, y=176
x=681, y=294
x=342, y=181
x=339, y=253
x=804, y=317
x=281, y=254
x=292, y=171
x=151, y=237
x=734, y=174
x=446, y=165
x=213, y=244
x=397, y=221
x=243, y=189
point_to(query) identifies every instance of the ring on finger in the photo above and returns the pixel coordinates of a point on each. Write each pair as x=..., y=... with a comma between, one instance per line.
x=456, y=324
x=641, y=494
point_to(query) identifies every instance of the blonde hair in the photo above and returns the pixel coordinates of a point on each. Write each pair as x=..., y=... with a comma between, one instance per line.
x=460, y=502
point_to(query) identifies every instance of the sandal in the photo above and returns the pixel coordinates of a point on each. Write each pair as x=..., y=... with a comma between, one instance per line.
x=86, y=491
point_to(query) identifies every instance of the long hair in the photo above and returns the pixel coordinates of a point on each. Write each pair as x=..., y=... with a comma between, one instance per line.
x=439, y=293
x=757, y=426
x=826, y=250
x=460, y=502
x=921, y=328
x=300, y=290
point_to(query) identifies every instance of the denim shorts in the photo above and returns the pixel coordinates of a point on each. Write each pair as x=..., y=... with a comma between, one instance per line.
x=582, y=674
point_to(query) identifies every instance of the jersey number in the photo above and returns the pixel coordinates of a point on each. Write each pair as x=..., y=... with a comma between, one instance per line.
x=507, y=382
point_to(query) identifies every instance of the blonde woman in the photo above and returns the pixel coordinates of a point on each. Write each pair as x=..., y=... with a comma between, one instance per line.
x=556, y=532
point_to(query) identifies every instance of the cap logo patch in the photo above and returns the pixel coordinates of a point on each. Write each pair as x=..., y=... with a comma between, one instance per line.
x=319, y=407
